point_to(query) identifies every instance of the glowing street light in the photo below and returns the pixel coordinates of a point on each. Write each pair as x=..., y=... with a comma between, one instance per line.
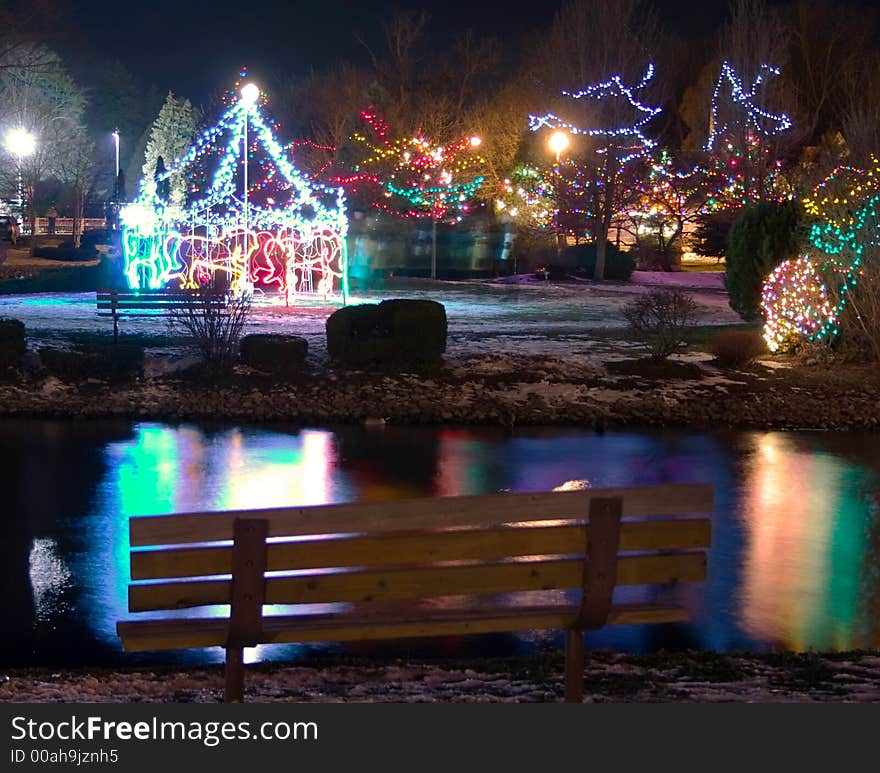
x=21, y=144
x=558, y=142
x=250, y=93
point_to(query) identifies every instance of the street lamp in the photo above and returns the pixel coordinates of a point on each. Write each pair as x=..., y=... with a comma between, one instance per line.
x=557, y=143
x=21, y=144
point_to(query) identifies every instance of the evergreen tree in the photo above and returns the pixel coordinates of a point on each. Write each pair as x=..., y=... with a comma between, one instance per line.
x=171, y=136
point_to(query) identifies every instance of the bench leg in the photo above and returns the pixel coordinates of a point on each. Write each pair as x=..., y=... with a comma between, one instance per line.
x=574, y=666
x=234, y=675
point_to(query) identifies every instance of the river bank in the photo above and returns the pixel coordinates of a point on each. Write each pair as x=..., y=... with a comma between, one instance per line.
x=610, y=678
x=504, y=389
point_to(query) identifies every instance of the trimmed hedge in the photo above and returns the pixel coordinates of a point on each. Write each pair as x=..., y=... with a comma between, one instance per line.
x=737, y=348
x=618, y=264
x=66, y=252
x=107, y=362
x=765, y=234
x=394, y=332
x=273, y=353
x=12, y=342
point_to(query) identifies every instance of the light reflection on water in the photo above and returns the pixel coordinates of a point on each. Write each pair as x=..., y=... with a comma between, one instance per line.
x=795, y=531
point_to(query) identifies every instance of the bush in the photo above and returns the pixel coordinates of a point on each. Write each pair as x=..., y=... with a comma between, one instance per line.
x=95, y=236
x=66, y=252
x=737, y=348
x=859, y=321
x=273, y=353
x=418, y=329
x=712, y=232
x=764, y=235
x=661, y=317
x=12, y=342
x=108, y=362
x=394, y=332
x=618, y=264
x=213, y=322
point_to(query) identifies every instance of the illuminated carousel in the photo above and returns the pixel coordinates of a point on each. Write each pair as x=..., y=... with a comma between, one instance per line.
x=260, y=225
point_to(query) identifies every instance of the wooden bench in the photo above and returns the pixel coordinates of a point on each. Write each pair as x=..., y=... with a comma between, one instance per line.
x=114, y=303
x=382, y=560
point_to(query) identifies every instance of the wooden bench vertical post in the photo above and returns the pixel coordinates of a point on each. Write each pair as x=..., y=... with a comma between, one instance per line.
x=248, y=597
x=599, y=579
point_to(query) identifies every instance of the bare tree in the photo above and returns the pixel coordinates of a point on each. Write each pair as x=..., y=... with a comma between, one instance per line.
x=829, y=43
x=593, y=42
x=499, y=121
x=421, y=88
x=750, y=108
x=47, y=103
x=76, y=168
x=593, y=39
x=322, y=106
x=20, y=23
x=860, y=111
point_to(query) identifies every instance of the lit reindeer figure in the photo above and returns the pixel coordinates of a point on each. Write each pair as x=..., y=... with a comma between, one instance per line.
x=315, y=258
x=269, y=260
x=205, y=257
x=149, y=262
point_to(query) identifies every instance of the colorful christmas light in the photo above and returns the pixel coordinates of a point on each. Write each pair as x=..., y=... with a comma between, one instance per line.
x=795, y=303
x=757, y=119
x=613, y=88
x=415, y=177
x=235, y=230
x=837, y=198
x=795, y=298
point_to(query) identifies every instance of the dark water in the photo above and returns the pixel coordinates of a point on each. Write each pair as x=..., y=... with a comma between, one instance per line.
x=794, y=561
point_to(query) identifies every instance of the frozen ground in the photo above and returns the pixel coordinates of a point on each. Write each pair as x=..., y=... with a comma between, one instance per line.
x=664, y=677
x=529, y=317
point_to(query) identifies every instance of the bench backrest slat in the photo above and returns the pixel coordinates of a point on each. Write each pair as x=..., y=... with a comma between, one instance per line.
x=403, y=549
x=380, y=585
x=417, y=514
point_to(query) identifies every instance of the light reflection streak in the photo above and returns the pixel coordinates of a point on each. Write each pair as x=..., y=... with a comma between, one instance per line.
x=49, y=577
x=804, y=547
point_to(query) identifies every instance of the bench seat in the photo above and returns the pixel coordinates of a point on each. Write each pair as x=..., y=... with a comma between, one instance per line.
x=186, y=633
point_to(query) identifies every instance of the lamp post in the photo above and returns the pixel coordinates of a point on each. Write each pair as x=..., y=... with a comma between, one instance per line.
x=21, y=144
x=116, y=142
x=557, y=143
x=250, y=93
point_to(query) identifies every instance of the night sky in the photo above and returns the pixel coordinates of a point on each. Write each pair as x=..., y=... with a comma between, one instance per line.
x=197, y=46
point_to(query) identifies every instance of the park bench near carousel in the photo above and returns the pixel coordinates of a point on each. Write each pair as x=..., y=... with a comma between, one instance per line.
x=116, y=303
x=415, y=568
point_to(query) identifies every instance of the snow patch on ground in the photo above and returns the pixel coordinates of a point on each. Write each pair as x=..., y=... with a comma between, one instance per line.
x=556, y=319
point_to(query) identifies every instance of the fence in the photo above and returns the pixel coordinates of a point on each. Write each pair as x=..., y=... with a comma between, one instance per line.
x=63, y=225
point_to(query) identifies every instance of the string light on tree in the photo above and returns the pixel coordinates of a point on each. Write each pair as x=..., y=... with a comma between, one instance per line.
x=739, y=129
x=596, y=182
x=837, y=198
x=795, y=298
x=415, y=177
x=795, y=304
x=613, y=88
x=757, y=119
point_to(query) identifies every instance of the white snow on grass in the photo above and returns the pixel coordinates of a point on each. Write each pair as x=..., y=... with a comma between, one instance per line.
x=544, y=318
